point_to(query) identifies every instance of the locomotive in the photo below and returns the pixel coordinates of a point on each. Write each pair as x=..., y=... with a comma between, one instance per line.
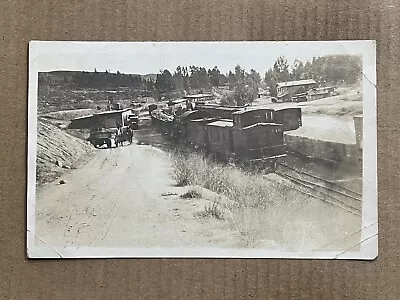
x=250, y=135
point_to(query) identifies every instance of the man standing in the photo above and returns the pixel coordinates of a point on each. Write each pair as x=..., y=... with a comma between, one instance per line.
x=130, y=135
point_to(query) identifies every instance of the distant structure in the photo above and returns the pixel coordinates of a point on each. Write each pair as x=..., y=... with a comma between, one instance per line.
x=192, y=100
x=294, y=91
x=263, y=92
x=199, y=97
x=320, y=93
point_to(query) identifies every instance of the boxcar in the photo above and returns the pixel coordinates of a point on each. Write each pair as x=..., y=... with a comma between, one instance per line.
x=181, y=122
x=220, y=142
x=258, y=142
x=251, y=116
x=218, y=111
x=251, y=136
x=196, y=132
x=290, y=118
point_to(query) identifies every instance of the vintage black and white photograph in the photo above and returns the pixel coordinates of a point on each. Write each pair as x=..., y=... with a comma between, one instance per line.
x=202, y=149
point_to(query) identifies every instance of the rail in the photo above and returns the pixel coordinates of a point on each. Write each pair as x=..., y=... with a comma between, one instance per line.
x=322, y=189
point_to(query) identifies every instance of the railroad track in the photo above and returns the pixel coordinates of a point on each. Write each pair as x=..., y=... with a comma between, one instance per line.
x=322, y=189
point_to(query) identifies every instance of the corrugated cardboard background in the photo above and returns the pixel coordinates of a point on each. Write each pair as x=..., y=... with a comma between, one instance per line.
x=21, y=21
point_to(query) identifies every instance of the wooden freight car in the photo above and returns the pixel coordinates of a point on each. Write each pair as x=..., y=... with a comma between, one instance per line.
x=246, y=138
x=181, y=122
x=290, y=118
x=219, y=135
x=256, y=136
x=258, y=142
x=218, y=111
x=196, y=133
x=250, y=116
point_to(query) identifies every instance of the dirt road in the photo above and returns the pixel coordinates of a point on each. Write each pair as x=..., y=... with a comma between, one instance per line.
x=116, y=200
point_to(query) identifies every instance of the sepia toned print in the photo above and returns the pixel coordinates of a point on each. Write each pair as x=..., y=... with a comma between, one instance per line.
x=202, y=149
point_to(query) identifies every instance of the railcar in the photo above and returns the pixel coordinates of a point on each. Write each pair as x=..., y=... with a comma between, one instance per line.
x=182, y=121
x=256, y=136
x=250, y=135
x=251, y=116
x=219, y=138
x=259, y=142
x=290, y=118
x=218, y=111
x=196, y=133
x=245, y=138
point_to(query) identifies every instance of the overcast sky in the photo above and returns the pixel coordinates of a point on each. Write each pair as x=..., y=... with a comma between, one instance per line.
x=151, y=57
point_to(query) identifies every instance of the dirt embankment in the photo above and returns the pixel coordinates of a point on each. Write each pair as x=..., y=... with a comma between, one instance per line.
x=57, y=151
x=68, y=115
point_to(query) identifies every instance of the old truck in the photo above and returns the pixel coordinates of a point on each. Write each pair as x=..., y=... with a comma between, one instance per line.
x=133, y=122
x=102, y=136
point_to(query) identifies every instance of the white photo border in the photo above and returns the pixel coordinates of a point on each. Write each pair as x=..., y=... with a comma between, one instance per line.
x=367, y=249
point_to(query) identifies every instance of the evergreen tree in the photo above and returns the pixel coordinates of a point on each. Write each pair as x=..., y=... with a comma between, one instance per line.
x=164, y=82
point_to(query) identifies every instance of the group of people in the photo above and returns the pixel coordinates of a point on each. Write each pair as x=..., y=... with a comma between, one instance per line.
x=123, y=134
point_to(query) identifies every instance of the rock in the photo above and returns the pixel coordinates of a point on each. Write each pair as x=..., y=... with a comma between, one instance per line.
x=62, y=181
x=67, y=167
x=168, y=194
x=59, y=163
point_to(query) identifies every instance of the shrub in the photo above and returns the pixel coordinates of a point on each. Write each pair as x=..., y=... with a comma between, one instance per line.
x=191, y=194
x=265, y=213
x=212, y=211
x=244, y=188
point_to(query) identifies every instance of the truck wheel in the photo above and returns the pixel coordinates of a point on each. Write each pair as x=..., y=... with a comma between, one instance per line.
x=108, y=143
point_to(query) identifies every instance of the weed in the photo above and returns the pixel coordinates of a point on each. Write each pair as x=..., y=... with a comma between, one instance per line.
x=259, y=209
x=191, y=194
x=212, y=211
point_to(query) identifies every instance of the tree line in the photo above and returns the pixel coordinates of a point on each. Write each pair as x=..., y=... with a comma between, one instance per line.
x=109, y=80
x=325, y=70
x=242, y=85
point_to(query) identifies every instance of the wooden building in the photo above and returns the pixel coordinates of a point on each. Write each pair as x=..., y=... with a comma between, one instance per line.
x=199, y=97
x=294, y=91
